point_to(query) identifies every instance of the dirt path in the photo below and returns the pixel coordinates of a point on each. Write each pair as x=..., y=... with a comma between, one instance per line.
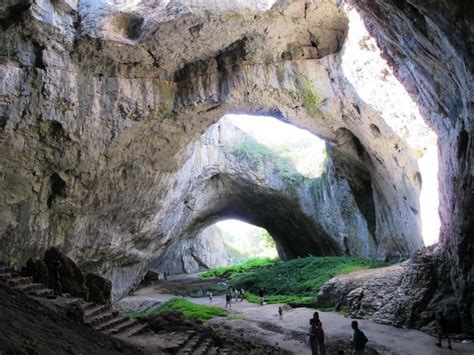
x=261, y=323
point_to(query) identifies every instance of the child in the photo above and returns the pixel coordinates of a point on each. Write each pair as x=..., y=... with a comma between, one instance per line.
x=280, y=313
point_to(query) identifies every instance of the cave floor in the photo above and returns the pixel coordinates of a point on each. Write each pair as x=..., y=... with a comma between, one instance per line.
x=261, y=324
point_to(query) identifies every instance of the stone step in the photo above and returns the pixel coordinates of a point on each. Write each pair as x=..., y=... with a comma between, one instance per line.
x=93, y=311
x=87, y=305
x=29, y=287
x=137, y=329
x=6, y=269
x=4, y=276
x=42, y=292
x=190, y=345
x=17, y=281
x=110, y=324
x=213, y=350
x=99, y=319
x=202, y=347
x=122, y=327
x=181, y=339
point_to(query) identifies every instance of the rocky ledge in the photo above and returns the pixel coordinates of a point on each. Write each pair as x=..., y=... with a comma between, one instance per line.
x=408, y=295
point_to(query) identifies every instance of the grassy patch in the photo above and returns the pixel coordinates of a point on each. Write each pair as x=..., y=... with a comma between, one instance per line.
x=294, y=282
x=187, y=308
x=231, y=271
x=310, y=98
x=302, y=276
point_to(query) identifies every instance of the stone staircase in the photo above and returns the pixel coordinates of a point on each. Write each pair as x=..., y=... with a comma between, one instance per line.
x=14, y=280
x=105, y=319
x=191, y=342
x=101, y=318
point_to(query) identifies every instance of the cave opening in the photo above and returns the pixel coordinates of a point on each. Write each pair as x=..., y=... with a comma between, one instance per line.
x=231, y=242
x=260, y=170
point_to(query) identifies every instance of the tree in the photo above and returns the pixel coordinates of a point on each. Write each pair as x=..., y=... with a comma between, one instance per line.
x=268, y=240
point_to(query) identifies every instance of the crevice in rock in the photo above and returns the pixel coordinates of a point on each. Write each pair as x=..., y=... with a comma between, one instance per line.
x=14, y=14
x=58, y=189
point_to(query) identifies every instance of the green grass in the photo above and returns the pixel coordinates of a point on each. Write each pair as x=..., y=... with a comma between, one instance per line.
x=185, y=307
x=231, y=271
x=294, y=282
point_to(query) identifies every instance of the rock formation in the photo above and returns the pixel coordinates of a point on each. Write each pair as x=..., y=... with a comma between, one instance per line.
x=99, y=102
x=206, y=250
x=230, y=174
x=407, y=295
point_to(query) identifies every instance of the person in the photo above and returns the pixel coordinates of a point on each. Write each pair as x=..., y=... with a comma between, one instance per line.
x=241, y=293
x=313, y=343
x=443, y=330
x=228, y=300
x=56, y=278
x=358, y=340
x=319, y=332
x=210, y=295
x=261, y=294
x=316, y=318
x=165, y=275
x=280, y=313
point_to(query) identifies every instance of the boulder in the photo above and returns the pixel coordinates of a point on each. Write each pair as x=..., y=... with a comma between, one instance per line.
x=100, y=289
x=72, y=279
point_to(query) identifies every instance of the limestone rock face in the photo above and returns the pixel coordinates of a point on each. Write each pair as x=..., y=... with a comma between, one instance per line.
x=205, y=251
x=429, y=44
x=99, y=102
x=323, y=209
x=406, y=295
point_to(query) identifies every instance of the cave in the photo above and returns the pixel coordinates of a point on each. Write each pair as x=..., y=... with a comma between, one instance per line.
x=224, y=243
x=112, y=139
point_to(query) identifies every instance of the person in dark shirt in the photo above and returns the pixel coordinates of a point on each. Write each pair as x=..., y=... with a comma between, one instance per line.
x=358, y=339
x=228, y=300
x=316, y=319
x=443, y=330
x=313, y=342
x=261, y=294
x=56, y=278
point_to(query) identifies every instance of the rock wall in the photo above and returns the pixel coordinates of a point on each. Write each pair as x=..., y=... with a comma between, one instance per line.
x=430, y=46
x=409, y=295
x=205, y=251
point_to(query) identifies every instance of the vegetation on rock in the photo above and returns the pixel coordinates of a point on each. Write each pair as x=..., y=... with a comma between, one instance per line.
x=188, y=309
x=257, y=153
